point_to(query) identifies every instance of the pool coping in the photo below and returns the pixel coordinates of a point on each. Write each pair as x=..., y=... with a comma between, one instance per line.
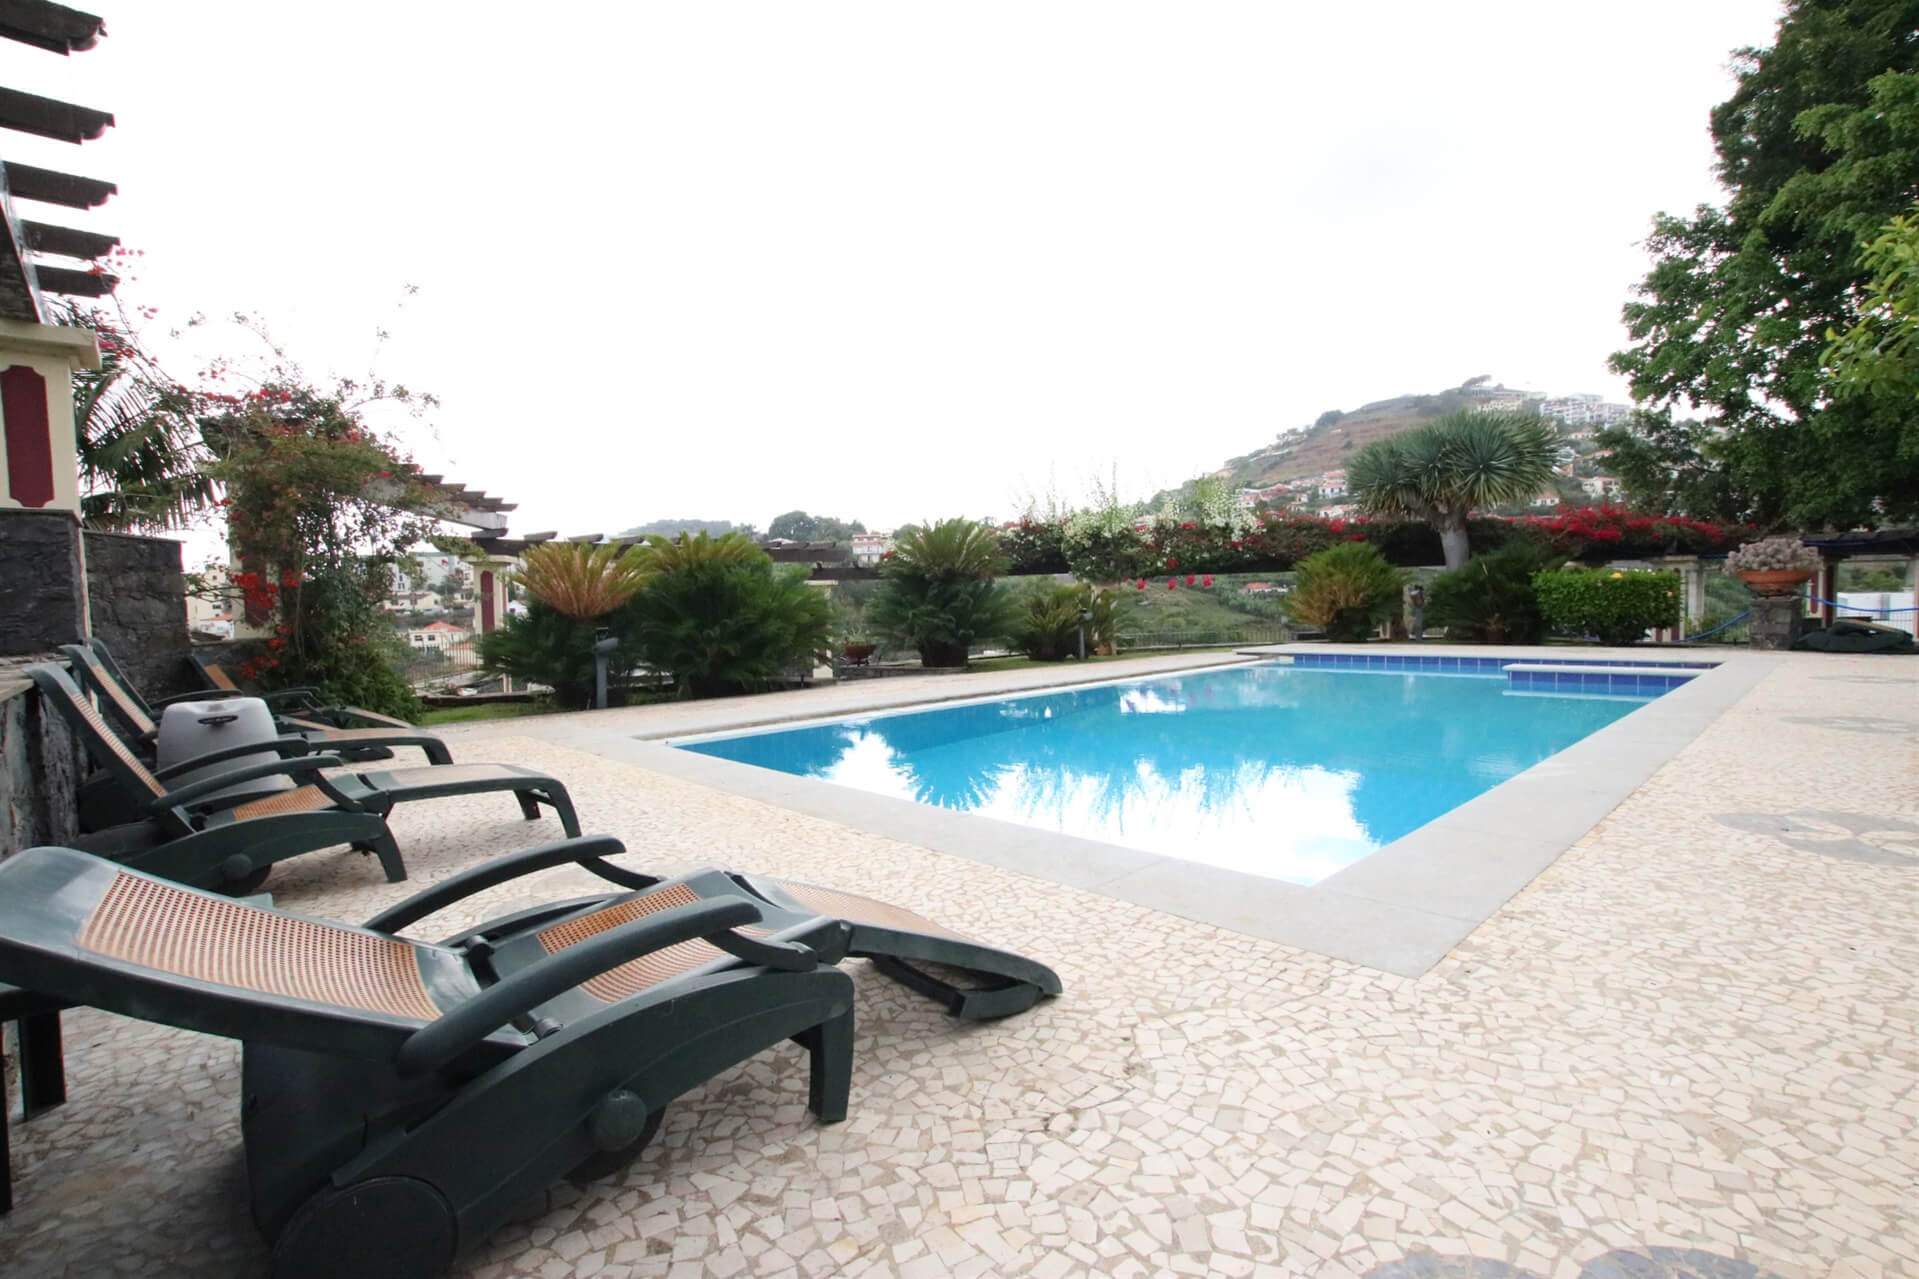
x=1400, y=910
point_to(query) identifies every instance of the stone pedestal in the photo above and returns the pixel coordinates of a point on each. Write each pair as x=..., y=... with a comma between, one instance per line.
x=1775, y=621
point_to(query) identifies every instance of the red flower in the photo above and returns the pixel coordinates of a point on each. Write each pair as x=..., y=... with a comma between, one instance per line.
x=1142, y=583
x=1189, y=579
x=1171, y=583
x=1208, y=581
x=1172, y=563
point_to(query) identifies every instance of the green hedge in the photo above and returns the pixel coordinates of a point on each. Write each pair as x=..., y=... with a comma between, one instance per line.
x=1617, y=607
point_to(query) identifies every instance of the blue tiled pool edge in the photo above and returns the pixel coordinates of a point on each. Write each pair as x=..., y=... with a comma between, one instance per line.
x=1400, y=910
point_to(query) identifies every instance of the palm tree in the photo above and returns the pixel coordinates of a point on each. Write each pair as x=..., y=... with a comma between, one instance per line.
x=1441, y=472
x=139, y=450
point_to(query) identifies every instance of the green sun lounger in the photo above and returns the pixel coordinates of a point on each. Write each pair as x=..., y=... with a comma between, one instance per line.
x=400, y=1100
x=298, y=704
x=97, y=672
x=970, y=979
x=192, y=835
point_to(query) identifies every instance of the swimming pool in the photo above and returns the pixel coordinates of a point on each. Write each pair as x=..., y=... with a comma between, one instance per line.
x=1290, y=772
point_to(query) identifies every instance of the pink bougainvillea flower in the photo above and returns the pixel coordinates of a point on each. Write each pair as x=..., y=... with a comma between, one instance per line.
x=1171, y=583
x=1189, y=579
x=1208, y=580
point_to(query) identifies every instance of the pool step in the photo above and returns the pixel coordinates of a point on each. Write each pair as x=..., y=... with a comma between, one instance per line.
x=1561, y=677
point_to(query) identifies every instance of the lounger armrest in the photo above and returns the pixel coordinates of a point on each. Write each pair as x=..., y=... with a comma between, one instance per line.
x=787, y=956
x=294, y=767
x=441, y=1042
x=287, y=747
x=201, y=695
x=585, y=851
x=285, y=697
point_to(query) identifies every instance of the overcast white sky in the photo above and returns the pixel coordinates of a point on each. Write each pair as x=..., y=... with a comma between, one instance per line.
x=891, y=261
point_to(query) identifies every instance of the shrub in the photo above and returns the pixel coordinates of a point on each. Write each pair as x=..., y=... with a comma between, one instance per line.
x=1617, y=607
x=545, y=646
x=582, y=580
x=939, y=595
x=1492, y=599
x=1347, y=590
x=721, y=618
x=1046, y=625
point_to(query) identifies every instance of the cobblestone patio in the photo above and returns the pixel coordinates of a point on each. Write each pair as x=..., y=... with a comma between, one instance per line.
x=1693, y=1041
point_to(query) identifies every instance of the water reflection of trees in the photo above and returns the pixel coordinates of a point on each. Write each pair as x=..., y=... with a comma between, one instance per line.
x=1410, y=744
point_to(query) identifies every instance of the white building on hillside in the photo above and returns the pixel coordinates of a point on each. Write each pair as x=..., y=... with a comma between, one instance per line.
x=437, y=637
x=870, y=548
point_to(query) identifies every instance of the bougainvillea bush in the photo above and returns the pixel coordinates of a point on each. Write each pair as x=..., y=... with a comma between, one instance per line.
x=1120, y=543
x=320, y=510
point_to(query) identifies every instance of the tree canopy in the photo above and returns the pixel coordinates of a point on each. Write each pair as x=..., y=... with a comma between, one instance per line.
x=798, y=526
x=1818, y=148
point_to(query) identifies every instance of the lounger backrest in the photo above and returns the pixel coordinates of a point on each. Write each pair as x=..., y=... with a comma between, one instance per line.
x=96, y=676
x=216, y=673
x=102, y=743
x=84, y=928
x=648, y=970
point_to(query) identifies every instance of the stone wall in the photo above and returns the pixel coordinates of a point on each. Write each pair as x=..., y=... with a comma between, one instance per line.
x=139, y=606
x=42, y=600
x=40, y=769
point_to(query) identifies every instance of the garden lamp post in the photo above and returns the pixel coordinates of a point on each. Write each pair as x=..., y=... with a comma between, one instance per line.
x=604, y=645
x=1085, y=616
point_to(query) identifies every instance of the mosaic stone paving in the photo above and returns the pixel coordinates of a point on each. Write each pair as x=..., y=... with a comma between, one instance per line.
x=1688, y=1048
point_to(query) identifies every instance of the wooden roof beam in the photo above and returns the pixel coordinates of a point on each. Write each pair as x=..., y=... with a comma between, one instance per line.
x=49, y=187
x=85, y=284
x=51, y=118
x=69, y=242
x=52, y=27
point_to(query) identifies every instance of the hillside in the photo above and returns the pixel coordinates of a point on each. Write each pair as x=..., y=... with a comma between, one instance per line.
x=1329, y=443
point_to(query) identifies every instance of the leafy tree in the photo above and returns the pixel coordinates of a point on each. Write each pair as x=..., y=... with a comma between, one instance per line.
x=1818, y=148
x=798, y=526
x=1880, y=354
x=1666, y=467
x=939, y=594
x=1442, y=471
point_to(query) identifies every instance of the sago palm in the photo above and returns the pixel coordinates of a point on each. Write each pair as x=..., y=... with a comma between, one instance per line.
x=946, y=551
x=581, y=580
x=1445, y=470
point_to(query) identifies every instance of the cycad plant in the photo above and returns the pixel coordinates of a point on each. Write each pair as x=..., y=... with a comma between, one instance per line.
x=584, y=581
x=939, y=594
x=1443, y=471
x=1346, y=590
x=720, y=617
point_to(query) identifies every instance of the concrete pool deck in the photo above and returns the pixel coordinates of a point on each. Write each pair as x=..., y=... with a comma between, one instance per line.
x=1693, y=1034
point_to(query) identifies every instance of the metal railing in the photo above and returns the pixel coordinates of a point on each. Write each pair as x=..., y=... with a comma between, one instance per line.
x=1219, y=637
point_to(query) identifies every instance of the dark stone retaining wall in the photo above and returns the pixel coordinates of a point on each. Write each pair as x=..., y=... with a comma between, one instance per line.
x=41, y=600
x=139, y=604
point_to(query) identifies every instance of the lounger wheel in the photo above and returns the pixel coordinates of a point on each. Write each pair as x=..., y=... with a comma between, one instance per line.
x=614, y=1127
x=395, y=1227
x=239, y=876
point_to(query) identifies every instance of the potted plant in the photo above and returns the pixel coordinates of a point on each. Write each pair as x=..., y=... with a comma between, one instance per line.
x=1773, y=565
x=857, y=650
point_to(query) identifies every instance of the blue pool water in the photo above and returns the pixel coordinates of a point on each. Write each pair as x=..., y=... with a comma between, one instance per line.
x=1286, y=771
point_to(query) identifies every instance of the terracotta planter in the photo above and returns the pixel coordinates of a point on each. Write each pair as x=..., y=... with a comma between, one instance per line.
x=1777, y=581
x=857, y=653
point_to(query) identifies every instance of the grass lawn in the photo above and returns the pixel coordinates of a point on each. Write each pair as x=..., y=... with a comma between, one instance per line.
x=484, y=710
